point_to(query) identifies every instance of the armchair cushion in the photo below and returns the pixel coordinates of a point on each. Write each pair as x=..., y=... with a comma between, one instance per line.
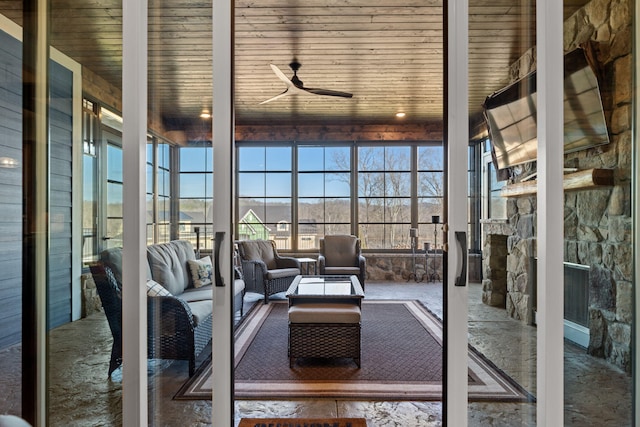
x=261, y=250
x=340, y=254
x=340, y=271
x=282, y=272
x=341, y=250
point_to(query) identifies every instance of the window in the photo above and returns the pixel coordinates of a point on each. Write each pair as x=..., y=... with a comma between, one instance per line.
x=296, y=193
x=324, y=193
x=90, y=182
x=265, y=194
x=114, y=177
x=163, y=183
x=430, y=193
x=475, y=190
x=495, y=206
x=159, y=212
x=384, y=197
x=196, y=194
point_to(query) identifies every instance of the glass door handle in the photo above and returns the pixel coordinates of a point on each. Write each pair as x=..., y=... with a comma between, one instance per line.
x=461, y=244
x=216, y=253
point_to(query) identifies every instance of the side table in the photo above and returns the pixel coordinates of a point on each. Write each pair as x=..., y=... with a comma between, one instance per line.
x=306, y=264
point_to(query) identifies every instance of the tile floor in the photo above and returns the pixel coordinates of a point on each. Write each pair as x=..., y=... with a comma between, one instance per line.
x=597, y=394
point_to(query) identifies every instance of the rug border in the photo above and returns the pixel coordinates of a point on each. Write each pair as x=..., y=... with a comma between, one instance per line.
x=497, y=383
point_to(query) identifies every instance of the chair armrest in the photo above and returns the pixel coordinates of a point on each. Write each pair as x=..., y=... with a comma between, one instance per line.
x=287, y=262
x=168, y=314
x=362, y=262
x=254, y=272
x=254, y=269
x=322, y=263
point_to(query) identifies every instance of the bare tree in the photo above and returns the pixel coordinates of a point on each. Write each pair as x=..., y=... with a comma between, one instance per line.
x=383, y=195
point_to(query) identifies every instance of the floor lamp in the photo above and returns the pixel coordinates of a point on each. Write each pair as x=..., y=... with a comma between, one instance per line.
x=413, y=235
x=435, y=219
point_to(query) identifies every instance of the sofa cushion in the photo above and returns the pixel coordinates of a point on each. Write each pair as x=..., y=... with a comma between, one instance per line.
x=112, y=258
x=168, y=263
x=206, y=293
x=201, y=310
x=197, y=294
x=200, y=271
x=238, y=286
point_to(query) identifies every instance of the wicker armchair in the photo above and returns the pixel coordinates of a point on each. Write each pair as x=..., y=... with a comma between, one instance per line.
x=340, y=254
x=265, y=271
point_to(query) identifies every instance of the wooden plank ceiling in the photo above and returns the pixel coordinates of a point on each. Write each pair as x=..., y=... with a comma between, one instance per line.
x=388, y=53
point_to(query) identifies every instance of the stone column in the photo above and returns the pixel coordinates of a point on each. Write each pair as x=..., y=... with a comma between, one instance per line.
x=494, y=284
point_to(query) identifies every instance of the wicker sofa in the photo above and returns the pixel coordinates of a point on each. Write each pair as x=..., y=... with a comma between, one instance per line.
x=179, y=324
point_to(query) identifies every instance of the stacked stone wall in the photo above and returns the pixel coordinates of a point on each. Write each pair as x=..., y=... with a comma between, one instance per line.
x=597, y=222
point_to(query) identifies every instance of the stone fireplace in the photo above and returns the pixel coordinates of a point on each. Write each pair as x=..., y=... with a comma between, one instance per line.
x=597, y=220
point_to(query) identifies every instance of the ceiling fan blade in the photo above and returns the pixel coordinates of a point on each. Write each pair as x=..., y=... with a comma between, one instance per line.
x=328, y=92
x=281, y=75
x=294, y=85
x=283, y=94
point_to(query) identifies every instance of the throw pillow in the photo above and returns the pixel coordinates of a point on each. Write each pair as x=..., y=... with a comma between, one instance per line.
x=155, y=289
x=200, y=271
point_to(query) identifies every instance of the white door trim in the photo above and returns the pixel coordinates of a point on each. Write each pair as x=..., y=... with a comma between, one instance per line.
x=457, y=143
x=550, y=202
x=134, y=148
x=222, y=121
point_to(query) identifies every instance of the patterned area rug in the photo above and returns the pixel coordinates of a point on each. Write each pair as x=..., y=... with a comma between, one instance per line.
x=401, y=360
x=303, y=422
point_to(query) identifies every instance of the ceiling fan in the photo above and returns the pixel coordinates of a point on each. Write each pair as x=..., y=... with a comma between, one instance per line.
x=295, y=85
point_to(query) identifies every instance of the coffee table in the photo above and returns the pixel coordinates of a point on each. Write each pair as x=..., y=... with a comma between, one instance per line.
x=307, y=289
x=324, y=317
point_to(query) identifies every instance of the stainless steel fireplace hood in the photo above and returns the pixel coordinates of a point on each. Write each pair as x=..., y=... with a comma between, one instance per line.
x=511, y=114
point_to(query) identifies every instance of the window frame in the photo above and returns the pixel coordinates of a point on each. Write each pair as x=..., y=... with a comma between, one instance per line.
x=354, y=226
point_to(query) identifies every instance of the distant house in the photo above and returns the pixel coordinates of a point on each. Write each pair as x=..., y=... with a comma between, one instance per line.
x=251, y=227
x=307, y=234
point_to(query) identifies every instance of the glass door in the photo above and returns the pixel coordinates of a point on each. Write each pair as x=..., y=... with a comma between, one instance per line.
x=553, y=307
x=112, y=212
x=223, y=192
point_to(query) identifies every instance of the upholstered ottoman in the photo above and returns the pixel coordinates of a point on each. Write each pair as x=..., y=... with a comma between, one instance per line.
x=324, y=330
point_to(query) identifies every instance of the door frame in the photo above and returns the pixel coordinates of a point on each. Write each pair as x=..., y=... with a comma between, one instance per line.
x=550, y=409
x=456, y=142
x=223, y=180
x=550, y=125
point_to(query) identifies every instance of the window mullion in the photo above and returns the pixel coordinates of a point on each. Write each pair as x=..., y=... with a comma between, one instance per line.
x=294, y=197
x=414, y=186
x=355, y=201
